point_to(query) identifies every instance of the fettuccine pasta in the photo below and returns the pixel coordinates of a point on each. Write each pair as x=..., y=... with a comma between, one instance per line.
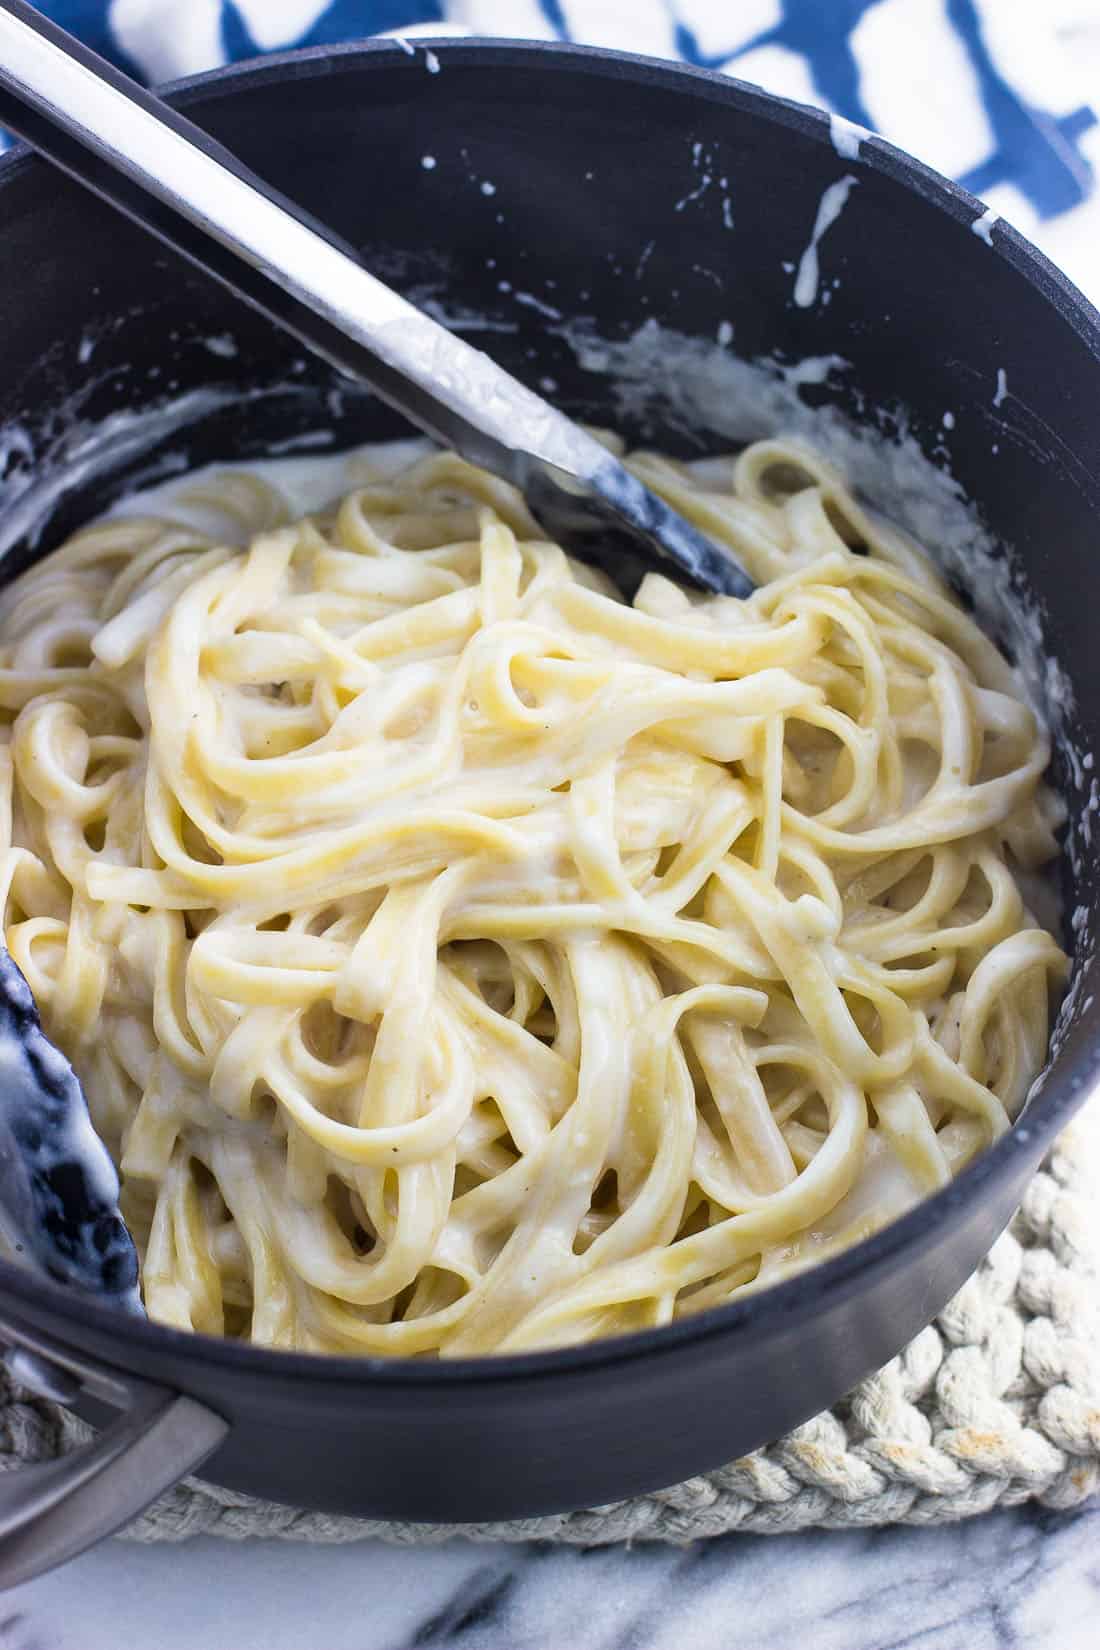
x=460, y=959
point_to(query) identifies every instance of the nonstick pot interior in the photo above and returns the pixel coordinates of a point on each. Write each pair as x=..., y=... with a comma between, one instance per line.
x=526, y=187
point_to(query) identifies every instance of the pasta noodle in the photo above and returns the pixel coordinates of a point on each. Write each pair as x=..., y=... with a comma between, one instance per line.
x=459, y=959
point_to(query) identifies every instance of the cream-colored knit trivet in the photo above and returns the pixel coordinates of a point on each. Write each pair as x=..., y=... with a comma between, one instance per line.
x=996, y=1402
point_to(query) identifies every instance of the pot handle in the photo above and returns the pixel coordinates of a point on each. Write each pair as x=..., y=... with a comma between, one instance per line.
x=52, y=1510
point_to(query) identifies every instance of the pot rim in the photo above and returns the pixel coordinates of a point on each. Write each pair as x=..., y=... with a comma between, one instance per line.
x=1070, y=1081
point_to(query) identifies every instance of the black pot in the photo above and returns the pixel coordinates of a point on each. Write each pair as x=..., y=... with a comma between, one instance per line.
x=595, y=203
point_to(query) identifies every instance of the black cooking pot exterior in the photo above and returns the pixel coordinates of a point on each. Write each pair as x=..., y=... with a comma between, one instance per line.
x=522, y=179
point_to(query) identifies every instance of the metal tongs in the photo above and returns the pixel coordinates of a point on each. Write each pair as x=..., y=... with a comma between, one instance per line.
x=141, y=156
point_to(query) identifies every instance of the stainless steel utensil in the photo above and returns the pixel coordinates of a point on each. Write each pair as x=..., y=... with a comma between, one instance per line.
x=164, y=172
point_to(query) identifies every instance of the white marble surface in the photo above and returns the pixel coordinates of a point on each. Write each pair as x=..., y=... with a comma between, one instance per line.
x=1019, y=1580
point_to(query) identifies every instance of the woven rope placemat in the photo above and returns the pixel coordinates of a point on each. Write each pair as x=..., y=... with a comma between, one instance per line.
x=996, y=1402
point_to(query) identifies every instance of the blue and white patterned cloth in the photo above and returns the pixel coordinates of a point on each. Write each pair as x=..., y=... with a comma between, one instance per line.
x=983, y=90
